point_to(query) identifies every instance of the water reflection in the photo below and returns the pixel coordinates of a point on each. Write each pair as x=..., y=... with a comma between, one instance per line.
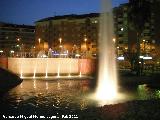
x=66, y=94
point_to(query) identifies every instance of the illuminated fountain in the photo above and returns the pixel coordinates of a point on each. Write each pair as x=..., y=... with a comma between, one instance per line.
x=80, y=73
x=58, y=71
x=107, y=76
x=69, y=75
x=46, y=69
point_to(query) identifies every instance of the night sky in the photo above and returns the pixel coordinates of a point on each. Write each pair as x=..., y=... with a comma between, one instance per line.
x=29, y=11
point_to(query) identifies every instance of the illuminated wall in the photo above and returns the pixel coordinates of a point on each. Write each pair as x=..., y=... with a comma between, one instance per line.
x=51, y=65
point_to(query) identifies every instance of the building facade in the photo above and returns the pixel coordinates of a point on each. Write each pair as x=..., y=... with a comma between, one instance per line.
x=147, y=15
x=16, y=38
x=80, y=32
x=70, y=32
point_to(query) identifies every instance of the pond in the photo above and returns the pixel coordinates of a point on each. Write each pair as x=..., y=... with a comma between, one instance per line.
x=44, y=97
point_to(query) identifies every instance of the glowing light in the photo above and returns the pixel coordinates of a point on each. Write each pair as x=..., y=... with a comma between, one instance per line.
x=107, y=76
x=60, y=40
x=147, y=58
x=39, y=40
x=106, y=90
x=21, y=74
x=141, y=57
x=80, y=73
x=44, y=56
x=78, y=55
x=59, y=86
x=34, y=84
x=69, y=70
x=69, y=75
x=58, y=71
x=1, y=51
x=46, y=70
x=120, y=58
x=12, y=51
x=34, y=73
x=85, y=39
x=46, y=85
x=46, y=75
x=122, y=29
x=114, y=40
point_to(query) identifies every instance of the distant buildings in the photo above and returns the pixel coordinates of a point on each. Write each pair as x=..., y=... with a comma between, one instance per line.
x=81, y=31
x=70, y=32
x=16, y=38
x=136, y=28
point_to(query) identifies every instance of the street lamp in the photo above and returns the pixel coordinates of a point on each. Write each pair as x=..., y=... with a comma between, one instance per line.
x=114, y=40
x=60, y=40
x=18, y=39
x=39, y=40
x=85, y=39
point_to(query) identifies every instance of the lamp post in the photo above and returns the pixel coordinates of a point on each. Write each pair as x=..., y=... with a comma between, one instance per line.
x=39, y=40
x=85, y=39
x=60, y=45
x=114, y=40
x=60, y=40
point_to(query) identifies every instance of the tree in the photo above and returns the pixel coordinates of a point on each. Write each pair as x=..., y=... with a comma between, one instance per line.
x=139, y=14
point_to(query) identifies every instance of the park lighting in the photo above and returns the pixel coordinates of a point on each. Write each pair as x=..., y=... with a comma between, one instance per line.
x=1, y=51
x=60, y=40
x=122, y=29
x=144, y=40
x=114, y=40
x=77, y=55
x=120, y=58
x=12, y=51
x=147, y=58
x=141, y=57
x=39, y=40
x=85, y=39
x=18, y=39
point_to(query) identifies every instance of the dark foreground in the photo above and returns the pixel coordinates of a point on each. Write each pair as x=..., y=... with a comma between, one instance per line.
x=135, y=110
x=57, y=100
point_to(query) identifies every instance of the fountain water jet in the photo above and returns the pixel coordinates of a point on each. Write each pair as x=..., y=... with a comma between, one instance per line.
x=107, y=76
x=80, y=73
x=21, y=76
x=58, y=71
x=34, y=73
x=69, y=75
x=46, y=69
